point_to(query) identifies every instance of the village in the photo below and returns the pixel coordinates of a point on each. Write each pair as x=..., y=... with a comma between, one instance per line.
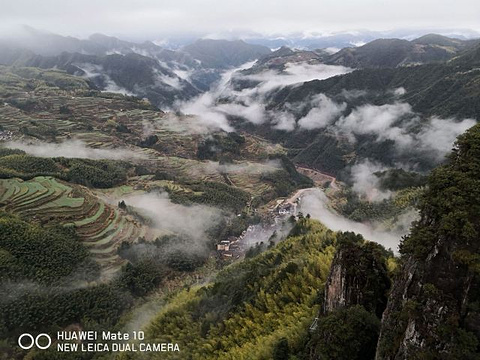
x=283, y=209
x=6, y=135
x=277, y=213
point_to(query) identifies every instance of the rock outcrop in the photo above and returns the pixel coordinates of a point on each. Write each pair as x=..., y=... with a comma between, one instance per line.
x=358, y=276
x=433, y=310
x=355, y=297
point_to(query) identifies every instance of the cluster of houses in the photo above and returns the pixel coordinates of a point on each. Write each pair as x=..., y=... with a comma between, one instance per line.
x=6, y=135
x=286, y=209
x=231, y=248
x=234, y=247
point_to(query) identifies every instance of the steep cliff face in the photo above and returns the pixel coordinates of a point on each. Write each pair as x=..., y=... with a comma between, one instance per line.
x=355, y=297
x=433, y=310
x=358, y=276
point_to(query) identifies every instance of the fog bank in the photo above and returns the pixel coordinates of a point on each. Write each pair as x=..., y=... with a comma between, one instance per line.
x=314, y=202
x=73, y=149
x=190, y=221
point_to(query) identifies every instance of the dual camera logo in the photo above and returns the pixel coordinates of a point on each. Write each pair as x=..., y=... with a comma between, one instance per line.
x=26, y=341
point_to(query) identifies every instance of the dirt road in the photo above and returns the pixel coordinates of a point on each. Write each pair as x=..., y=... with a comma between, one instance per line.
x=319, y=178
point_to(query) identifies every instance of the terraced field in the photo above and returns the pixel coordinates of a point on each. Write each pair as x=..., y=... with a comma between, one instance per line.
x=140, y=185
x=49, y=201
x=244, y=175
x=58, y=115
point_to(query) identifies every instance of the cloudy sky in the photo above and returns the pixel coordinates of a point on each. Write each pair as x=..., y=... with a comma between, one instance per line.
x=157, y=18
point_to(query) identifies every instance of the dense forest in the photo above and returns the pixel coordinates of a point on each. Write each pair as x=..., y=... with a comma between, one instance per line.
x=32, y=253
x=93, y=173
x=50, y=281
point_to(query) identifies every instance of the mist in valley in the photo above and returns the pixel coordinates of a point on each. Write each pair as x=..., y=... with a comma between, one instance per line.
x=348, y=115
x=365, y=183
x=249, y=103
x=248, y=168
x=191, y=221
x=73, y=149
x=316, y=203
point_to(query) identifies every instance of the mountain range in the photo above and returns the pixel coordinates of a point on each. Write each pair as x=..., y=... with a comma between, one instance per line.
x=146, y=70
x=166, y=76
x=242, y=201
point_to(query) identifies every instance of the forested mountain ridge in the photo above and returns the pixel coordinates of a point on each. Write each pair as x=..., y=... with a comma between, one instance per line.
x=445, y=91
x=224, y=54
x=390, y=53
x=142, y=69
x=432, y=310
x=255, y=306
x=165, y=76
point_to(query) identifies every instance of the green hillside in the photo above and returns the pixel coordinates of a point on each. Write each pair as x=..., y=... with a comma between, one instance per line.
x=252, y=305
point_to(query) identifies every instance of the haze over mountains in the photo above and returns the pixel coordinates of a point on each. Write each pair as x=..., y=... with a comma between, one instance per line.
x=165, y=76
x=229, y=175
x=405, y=84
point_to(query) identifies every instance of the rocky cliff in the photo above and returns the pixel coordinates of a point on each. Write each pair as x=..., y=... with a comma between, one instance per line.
x=433, y=310
x=355, y=297
x=358, y=276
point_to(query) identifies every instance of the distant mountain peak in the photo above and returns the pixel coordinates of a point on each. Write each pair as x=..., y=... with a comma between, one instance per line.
x=225, y=53
x=436, y=39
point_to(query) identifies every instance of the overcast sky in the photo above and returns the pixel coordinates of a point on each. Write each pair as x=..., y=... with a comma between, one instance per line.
x=159, y=18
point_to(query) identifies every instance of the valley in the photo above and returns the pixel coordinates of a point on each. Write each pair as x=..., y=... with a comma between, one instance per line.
x=226, y=196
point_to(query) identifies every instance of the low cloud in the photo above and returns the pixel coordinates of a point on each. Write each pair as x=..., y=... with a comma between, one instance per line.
x=366, y=183
x=205, y=111
x=282, y=120
x=399, y=91
x=245, y=167
x=148, y=128
x=264, y=232
x=433, y=137
x=93, y=71
x=378, y=120
x=73, y=149
x=314, y=202
x=324, y=112
x=439, y=135
x=211, y=109
x=404, y=221
x=189, y=221
x=253, y=112
x=182, y=124
x=294, y=73
x=174, y=81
